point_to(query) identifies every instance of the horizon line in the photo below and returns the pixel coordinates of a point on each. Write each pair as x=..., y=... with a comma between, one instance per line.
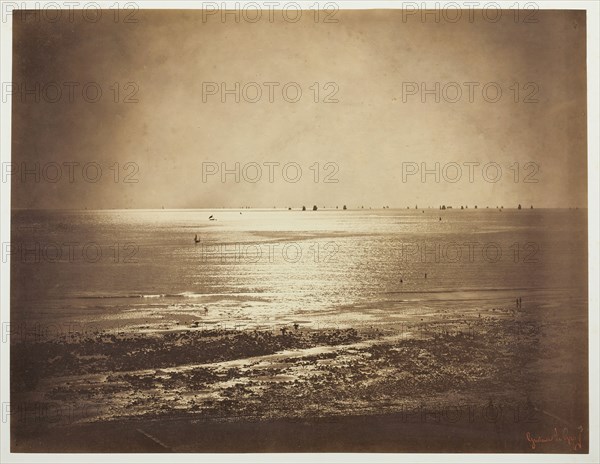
x=308, y=209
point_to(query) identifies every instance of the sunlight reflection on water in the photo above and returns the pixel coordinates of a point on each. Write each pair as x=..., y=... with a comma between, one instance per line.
x=273, y=264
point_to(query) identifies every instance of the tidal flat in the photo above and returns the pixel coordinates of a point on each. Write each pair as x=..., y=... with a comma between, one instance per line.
x=475, y=372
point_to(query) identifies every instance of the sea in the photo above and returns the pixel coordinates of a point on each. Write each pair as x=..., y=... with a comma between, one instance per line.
x=249, y=268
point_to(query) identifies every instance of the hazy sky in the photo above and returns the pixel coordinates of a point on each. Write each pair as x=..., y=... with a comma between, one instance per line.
x=372, y=57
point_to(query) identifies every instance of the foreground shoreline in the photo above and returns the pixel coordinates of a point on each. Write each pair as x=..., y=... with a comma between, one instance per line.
x=373, y=433
x=478, y=382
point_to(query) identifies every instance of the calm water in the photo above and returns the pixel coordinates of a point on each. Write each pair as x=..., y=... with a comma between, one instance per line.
x=273, y=266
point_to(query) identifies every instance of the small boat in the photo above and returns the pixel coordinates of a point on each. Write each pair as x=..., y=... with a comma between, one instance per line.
x=212, y=218
x=196, y=239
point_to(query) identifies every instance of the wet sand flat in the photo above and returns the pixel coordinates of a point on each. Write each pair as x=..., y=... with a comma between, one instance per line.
x=391, y=387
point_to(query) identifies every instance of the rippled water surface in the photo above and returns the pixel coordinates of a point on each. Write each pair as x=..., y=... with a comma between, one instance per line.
x=268, y=266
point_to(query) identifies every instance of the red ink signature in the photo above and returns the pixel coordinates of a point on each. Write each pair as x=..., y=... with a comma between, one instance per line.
x=572, y=441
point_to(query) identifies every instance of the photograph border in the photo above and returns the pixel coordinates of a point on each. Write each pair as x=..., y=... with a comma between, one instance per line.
x=592, y=8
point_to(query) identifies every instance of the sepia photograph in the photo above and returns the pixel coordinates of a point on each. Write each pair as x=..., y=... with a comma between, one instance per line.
x=283, y=227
